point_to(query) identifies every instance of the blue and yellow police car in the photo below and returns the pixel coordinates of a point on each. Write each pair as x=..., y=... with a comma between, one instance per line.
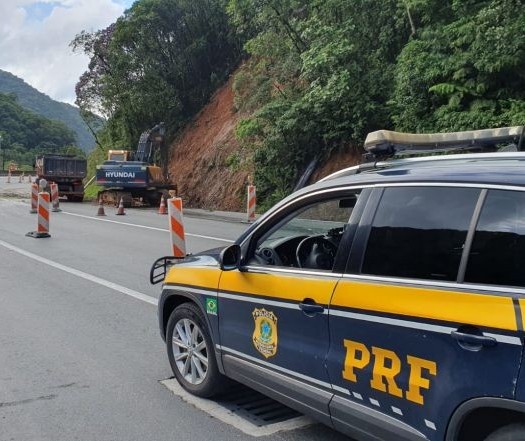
x=386, y=301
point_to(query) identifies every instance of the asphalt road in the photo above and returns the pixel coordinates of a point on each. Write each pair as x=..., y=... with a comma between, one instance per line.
x=80, y=352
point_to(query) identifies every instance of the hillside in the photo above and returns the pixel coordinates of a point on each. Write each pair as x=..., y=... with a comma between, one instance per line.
x=201, y=164
x=38, y=102
x=25, y=133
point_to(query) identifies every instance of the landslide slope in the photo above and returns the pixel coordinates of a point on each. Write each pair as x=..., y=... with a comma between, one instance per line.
x=200, y=158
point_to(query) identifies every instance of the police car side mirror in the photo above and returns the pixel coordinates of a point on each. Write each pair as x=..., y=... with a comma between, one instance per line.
x=230, y=258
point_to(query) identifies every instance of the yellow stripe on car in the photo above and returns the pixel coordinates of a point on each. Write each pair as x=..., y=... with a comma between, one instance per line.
x=450, y=306
x=199, y=277
x=292, y=287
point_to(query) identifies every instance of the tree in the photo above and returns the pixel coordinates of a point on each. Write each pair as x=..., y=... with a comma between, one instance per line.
x=159, y=62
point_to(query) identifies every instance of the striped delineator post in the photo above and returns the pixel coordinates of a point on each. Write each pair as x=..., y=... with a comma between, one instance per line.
x=178, y=241
x=251, y=202
x=54, y=197
x=43, y=217
x=34, y=197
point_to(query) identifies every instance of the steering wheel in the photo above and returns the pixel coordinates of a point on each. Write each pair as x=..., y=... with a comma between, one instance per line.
x=315, y=252
x=268, y=256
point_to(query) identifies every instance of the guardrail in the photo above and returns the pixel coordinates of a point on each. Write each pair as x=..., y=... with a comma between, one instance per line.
x=17, y=172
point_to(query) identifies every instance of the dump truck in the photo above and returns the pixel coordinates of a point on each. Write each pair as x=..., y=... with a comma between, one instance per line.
x=67, y=171
x=136, y=177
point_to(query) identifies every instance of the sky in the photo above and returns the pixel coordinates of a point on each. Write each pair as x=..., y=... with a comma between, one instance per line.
x=35, y=37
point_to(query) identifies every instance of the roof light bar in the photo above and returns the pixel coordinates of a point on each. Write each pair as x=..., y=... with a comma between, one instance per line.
x=388, y=143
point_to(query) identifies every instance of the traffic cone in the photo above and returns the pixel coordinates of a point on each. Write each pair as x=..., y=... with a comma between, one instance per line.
x=162, y=208
x=120, y=210
x=100, y=211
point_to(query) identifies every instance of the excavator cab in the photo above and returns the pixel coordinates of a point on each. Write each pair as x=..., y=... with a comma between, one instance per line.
x=119, y=155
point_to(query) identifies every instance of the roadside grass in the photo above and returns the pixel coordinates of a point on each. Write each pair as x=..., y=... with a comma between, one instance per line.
x=91, y=192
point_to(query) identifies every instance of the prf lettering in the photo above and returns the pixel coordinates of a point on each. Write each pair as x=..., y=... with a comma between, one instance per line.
x=386, y=366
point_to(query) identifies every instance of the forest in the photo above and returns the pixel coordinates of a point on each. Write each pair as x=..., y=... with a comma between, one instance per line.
x=35, y=101
x=25, y=134
x=312, y=77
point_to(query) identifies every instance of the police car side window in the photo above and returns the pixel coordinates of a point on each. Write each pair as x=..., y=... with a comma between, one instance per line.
x=309, y=238
x=419, y=232
x=497, y=255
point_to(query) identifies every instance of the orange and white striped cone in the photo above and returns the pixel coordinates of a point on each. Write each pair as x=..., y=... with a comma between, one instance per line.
x=178, y=241
x=120, y=210
x=54, y=197
x=251, y=203
x=9, y=177
x=43, y=217
x=34, y=198
x=100, y=211
x=162, y=207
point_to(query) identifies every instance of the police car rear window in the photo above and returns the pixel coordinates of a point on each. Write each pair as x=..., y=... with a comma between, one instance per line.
x=419, y=232
x=497, y=255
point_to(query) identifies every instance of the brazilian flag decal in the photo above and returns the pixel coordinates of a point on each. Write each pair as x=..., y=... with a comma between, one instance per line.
x=211, y=305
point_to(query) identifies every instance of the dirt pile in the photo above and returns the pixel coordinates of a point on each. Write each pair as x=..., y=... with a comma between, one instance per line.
x=200, y=158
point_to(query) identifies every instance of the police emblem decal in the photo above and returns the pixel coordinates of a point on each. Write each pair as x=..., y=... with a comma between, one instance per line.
x=265, y=332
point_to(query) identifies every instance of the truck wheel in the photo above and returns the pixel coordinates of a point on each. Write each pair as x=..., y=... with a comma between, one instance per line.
x=512, y=432
x=191, y=353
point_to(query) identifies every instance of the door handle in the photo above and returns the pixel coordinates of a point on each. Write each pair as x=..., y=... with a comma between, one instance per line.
x=473, y=339
x=309, y=307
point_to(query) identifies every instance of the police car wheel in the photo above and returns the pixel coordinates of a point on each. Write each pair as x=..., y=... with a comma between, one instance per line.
x=512, y=432
x=190, y=352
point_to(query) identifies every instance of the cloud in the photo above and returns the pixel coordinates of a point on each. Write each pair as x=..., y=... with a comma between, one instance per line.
x=34, y=41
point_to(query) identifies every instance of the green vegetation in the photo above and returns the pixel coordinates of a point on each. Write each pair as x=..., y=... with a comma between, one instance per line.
x=26, y=134
x=321, y=74
x=317, y=75
x=161, y=61
x=39, y=103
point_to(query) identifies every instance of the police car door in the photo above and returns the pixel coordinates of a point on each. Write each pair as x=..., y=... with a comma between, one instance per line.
x=410, y=339
x=273, y=311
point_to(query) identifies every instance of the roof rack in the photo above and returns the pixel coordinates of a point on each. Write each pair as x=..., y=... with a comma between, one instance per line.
x=385, y=143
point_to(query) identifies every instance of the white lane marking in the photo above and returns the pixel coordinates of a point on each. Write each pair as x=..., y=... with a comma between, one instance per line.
x=358, y=396
x=106, y=283
x=226, y=416
x=165, y=230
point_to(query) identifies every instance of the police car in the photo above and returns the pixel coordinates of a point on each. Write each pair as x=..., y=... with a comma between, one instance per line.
x=387, y=300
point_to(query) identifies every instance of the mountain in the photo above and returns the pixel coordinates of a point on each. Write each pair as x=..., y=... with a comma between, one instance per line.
x=38, y=102
x=25, y=130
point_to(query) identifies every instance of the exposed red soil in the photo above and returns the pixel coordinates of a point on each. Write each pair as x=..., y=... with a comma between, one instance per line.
x=337, y=161
x=199, y=158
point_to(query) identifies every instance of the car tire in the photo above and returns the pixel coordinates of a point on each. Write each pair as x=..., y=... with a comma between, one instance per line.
x=188, y=354
x=512, y=432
